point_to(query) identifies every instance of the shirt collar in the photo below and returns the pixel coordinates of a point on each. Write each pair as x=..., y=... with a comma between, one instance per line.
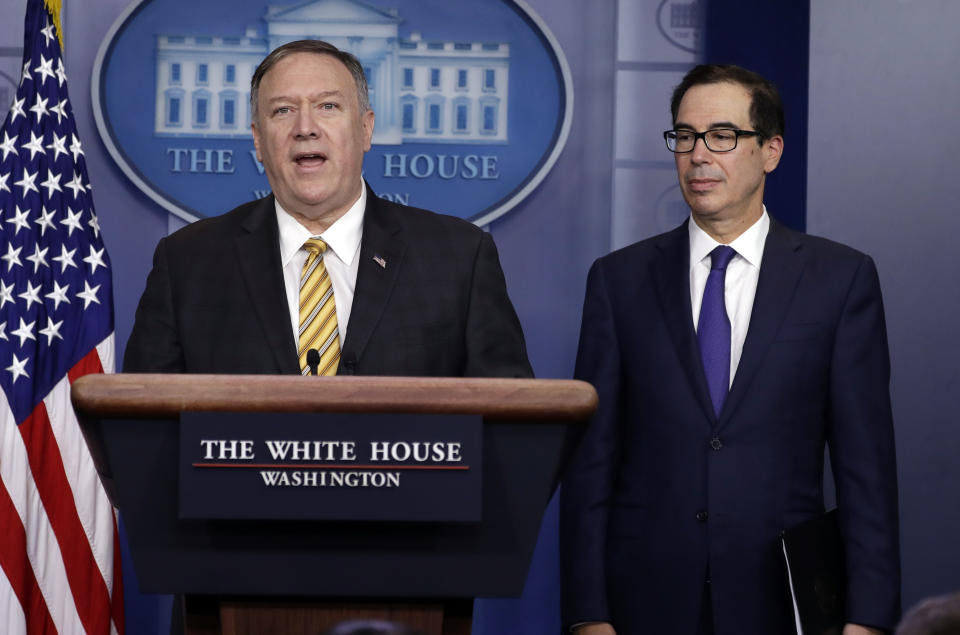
x=343, y=237
x=748, y=245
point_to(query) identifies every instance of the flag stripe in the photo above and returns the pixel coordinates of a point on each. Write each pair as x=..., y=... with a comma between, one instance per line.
x=90, y=363
x=86, y=583
x=95, y=513
x=19, y=575
x=12, y=619
x=38, y=545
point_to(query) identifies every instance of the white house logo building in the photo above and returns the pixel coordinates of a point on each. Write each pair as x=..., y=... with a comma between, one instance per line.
x=440, y=84
x=421, y=90
x=681, y=23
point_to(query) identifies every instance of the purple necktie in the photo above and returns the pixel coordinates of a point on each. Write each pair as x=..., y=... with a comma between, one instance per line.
x=713, y=328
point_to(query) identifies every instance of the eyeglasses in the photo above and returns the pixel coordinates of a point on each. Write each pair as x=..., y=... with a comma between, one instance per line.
x=716, y=140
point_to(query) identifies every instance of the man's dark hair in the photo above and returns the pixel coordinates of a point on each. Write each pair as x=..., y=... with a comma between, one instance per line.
x=934, y=616
x=766, y=107
x=318, y=47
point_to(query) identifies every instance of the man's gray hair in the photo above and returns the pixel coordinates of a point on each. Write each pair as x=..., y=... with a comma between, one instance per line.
x=318, y=47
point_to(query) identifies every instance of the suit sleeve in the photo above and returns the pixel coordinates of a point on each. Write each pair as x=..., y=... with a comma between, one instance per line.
x=862, y=454
x=588, y=483
x=154, y=345
x=494, y=338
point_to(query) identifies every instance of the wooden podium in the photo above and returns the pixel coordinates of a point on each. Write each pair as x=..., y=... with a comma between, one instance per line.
x=270, y=575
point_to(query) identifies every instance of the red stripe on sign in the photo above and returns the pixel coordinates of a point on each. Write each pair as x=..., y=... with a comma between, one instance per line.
x=86, y=583
x=327, y=466
x=16, y=566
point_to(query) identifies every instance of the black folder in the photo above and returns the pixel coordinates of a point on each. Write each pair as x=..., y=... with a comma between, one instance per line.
x=813, y=554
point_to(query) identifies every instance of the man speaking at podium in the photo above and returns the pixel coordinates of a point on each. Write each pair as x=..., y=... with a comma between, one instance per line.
x=323, y=276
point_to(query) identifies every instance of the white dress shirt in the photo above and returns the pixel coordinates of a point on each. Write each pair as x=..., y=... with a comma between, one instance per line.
x=341, y=258
x=740, y=284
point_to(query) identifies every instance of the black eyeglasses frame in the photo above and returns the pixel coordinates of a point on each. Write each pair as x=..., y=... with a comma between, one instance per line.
x=703, y=135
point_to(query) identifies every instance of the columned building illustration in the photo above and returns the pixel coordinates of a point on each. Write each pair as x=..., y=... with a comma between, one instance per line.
x=422, y=90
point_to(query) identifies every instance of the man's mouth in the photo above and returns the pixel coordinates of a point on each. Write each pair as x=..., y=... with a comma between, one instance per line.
x=702, y=185
x=310, y=159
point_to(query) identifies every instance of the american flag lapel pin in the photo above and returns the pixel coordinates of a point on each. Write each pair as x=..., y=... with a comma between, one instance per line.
x=380, y=261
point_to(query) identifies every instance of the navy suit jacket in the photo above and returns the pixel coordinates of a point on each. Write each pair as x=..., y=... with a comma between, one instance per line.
x=215, y=301
x=662, y=493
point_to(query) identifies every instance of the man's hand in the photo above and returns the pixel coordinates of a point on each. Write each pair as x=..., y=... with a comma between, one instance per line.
x=598, y=628
x=856, y=629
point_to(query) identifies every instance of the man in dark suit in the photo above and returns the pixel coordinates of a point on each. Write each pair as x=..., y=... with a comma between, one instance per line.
x=391, y=290
x=727, y=353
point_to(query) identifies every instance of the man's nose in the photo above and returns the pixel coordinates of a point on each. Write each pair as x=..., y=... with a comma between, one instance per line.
x=700, y=153
x=306, y=125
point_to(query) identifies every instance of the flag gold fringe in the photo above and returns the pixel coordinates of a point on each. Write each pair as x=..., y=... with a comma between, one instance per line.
x=55, y=7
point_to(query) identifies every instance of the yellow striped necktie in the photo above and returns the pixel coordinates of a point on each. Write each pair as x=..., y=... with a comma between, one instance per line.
x=318, y=312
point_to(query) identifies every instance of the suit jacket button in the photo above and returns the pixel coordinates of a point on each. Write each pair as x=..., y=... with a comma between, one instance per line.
x=702, y=516
x=715, y=443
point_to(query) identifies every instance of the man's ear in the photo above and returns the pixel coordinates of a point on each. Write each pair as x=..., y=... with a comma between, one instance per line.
x=772, y=151
x=366, y=121
x=256, y=139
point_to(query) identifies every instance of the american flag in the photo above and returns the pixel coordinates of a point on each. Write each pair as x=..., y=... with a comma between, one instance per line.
x=59, y=551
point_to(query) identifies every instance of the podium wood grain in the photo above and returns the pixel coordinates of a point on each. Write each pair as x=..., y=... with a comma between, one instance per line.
x=146, y=395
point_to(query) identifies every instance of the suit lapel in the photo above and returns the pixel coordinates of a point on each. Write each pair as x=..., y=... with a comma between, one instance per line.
x=381, y=256
x=780, y=272
x=671, y=273
x=258, y=254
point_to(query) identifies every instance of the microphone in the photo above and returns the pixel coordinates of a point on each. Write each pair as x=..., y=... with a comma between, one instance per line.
x=313, y=360
x=348, y=363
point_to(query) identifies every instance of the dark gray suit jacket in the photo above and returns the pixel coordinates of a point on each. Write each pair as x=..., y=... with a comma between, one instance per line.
x=215, y=302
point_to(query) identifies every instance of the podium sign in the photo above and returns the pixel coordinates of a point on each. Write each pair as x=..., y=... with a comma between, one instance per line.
x=330, y=466
x=146, y=432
